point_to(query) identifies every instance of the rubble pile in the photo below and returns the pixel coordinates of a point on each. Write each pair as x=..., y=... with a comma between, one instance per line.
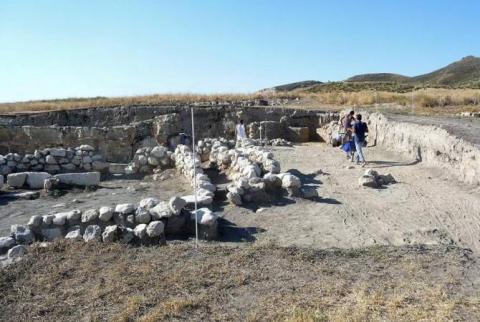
x=149, y=160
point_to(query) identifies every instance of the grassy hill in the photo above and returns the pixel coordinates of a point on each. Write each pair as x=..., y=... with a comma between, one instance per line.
x=293, y=86
x=379, y=77
x=462, y=73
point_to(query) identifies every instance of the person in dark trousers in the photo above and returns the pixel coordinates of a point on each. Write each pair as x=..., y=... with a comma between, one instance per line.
x=359, y=132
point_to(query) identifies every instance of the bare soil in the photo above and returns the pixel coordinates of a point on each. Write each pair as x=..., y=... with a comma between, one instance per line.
x=426, y=206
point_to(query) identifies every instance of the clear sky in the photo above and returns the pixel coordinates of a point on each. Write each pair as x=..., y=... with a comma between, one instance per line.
x=78, y=48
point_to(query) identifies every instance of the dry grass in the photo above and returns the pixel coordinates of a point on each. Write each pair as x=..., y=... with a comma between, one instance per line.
x=76, y=281
x=161, y=99
x=426, y=100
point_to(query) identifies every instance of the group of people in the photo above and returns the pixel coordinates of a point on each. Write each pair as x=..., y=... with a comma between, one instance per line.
x=354, y=137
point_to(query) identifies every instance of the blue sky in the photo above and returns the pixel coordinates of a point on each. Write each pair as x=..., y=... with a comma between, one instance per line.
x=57, y=49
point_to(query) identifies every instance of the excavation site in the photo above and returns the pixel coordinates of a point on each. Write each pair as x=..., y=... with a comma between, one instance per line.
x=157, y=212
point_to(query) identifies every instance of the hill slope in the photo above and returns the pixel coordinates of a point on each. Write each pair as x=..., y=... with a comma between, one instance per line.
x=460, y=73
x=292, y=86
x=379, y=77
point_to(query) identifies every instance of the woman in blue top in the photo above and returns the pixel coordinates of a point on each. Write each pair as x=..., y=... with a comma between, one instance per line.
x=359, y=130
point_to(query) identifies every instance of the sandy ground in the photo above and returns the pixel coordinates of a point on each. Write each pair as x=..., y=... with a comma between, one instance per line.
x=425, y=206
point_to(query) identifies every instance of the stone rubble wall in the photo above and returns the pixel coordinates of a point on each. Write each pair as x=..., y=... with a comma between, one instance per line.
x=146, y=223
x=185, y=161
x=149, y=160
x=253, y=170
x=54, y=160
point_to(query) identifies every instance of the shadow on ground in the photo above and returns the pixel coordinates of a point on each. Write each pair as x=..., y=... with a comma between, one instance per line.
x=391, y=164
x=230, y=232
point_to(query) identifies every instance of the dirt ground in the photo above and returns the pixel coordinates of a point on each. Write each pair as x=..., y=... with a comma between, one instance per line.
x=425, y=206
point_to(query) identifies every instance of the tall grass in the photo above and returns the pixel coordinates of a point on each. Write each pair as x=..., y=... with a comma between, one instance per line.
x=424, y=98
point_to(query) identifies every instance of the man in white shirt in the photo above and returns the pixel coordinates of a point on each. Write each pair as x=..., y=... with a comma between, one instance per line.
x=240, y=130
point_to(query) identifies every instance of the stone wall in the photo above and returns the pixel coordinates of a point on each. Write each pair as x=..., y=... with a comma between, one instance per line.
x=54, y=160
x=117, y=132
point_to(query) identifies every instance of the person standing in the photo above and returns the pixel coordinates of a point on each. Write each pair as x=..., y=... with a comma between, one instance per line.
x=240, y=131
x=359, y=131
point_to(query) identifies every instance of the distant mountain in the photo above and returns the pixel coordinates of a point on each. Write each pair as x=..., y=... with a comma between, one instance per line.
x=460, y=73
x=292, y=86
x=379, y=77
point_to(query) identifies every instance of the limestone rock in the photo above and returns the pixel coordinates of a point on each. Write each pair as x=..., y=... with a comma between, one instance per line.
x=289, y=181
x=57, y=152
x=60, y=219
x=161, y=210
x=85, y=147
x=51, y=234
x=368, y=181
x=148, y=203
x=89, y=215
x=234, y=198
x=49, y=159
x=105, y=213
x=202, y=200
x=35, y=180
x=48, y=220
x=34, y=222
x=176, y=204
x=16, y=180
x=22, y=234
x=140, y=231
x=142, y=216
x=6, y=243
x=74, y=234
x=159, y=152
x=73, y=215
x=126, y=234
x=155, y=229
x=125, y=208
x=92, y=232
x=110, y=234
x=204, y=216
x=17, y=252
x=79, y=179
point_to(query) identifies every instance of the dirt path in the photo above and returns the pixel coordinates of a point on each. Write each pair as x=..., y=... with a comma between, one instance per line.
x=425, y=206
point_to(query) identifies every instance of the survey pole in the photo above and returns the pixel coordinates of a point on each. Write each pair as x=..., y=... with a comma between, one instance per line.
x=194, y=178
